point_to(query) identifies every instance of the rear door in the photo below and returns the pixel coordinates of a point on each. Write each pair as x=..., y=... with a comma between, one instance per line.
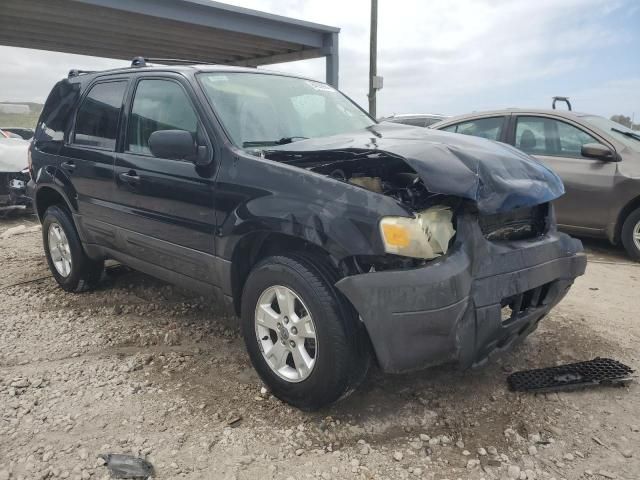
x=167, y=216
x=87, y=159
x=558, y=143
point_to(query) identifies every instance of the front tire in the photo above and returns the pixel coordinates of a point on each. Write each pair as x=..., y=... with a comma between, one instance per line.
x=631, y=234
x=71, y=267
x=304, y=341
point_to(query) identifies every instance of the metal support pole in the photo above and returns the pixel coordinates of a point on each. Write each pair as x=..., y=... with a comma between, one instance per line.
x=332, y=59
x=373, y=53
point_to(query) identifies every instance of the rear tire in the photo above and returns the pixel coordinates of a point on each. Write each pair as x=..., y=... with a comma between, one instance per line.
x=71, y=267
x=340, y=354
x=631, y=234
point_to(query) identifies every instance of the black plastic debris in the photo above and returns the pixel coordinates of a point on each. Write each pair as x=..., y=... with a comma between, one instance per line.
x=127, y=466
x=599, y=371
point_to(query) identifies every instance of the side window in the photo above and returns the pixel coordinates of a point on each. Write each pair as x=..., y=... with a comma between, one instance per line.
x=531, y=136
x=158, y=105
x=450, y=128
x=416, y=122
x=97, y=119
x=490, y=128
x=571, y=140
x=546, y=136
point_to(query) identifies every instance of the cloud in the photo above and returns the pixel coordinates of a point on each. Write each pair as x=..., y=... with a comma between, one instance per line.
x=435, y=56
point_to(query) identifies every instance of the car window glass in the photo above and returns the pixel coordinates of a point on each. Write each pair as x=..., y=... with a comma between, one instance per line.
x=450, y=128
x=490, y=128
x=546, y=136
x=158, y=105
x=572, y=139
x=416, y=122
x=97, y=120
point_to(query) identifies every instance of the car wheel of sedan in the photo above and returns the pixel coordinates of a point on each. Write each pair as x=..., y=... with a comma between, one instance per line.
x=303, y=339
x=71, y=267
x=631, y=234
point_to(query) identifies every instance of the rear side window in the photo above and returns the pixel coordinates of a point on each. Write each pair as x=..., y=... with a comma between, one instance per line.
x=57, y=112
x=97, y=119
x=158, y=105
x=489, y=128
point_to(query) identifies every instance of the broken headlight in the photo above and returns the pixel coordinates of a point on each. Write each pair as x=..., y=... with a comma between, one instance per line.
x=426, y=235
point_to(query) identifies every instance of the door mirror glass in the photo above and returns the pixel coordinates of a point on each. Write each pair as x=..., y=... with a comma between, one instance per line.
x=597, y=150
x=173, y=144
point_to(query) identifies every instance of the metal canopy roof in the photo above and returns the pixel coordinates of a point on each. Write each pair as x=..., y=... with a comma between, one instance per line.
x=200, y=30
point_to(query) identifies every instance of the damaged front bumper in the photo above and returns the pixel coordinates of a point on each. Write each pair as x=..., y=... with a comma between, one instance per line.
x=480, y=298
x=13, y=193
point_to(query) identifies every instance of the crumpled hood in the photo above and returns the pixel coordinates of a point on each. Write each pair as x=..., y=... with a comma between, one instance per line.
x=496, y=176
x=13, y=154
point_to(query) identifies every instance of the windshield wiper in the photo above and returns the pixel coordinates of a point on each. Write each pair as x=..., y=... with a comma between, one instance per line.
x=271, y=143
x=635, y=136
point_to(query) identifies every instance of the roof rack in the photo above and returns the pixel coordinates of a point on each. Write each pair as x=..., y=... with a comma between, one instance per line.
x=142, y=61
x=75, y=72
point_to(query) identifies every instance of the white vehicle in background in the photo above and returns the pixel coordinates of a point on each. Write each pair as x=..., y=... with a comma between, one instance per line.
x=14, y=173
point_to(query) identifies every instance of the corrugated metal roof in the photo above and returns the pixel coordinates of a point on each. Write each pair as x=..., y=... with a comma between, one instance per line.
x=201, y=30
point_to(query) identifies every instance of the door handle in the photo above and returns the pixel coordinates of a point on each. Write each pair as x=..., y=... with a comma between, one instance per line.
x=129, y=177
x=68, y=166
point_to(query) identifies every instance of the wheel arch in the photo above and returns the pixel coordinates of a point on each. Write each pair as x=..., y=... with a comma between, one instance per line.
x=622, y=216
x=47, y=196
x=259, y=245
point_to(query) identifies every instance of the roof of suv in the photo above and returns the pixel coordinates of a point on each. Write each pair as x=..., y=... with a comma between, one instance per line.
x=84, y=76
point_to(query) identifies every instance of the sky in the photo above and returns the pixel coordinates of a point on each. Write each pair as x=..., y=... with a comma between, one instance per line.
x=439, y=56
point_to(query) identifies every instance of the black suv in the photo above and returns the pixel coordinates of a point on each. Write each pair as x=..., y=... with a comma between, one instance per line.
x=336, y=239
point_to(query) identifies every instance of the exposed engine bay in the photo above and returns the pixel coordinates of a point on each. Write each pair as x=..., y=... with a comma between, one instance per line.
x=427, y=235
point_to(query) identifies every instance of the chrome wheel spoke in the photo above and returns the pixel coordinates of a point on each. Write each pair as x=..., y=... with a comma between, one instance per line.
x=306, y=328
x=286, y=301
x=636, y=235
x=278, y=355
x=302, y=360
x=267, y=317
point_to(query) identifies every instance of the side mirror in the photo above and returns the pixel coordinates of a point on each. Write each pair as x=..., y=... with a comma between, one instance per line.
x=173, y=144
x=597, y=150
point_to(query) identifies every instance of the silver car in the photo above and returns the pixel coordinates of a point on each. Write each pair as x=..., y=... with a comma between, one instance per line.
x=597, y=159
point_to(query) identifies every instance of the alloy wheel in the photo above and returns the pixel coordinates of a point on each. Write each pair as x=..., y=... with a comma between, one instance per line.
x=286, y=333
x=59, y=249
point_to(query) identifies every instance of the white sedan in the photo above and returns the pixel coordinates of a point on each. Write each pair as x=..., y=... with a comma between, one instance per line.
x=14, y=173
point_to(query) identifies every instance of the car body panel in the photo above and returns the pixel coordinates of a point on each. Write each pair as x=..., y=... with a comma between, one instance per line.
x=598, y=192
x=197, y=225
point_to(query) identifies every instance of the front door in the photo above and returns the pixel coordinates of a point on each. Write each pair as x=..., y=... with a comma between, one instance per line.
x=587, y=181
x=167, y=216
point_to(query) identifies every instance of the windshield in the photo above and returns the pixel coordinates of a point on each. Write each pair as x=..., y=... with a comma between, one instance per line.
x=631, y=138
x=259, y=110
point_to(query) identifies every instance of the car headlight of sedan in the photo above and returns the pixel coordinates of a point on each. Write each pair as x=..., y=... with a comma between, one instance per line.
x=425, y=236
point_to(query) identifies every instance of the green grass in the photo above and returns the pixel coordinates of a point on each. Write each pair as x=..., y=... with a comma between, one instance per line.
x=28, y=120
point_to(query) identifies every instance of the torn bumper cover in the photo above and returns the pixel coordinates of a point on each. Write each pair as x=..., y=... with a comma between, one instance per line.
x=451, y=309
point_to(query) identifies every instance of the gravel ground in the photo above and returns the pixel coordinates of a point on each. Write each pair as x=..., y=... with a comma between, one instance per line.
x=143, y=368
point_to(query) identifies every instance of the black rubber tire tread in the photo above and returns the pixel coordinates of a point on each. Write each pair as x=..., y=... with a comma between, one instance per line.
x=356, y=330
x=627, y=234
x=85, y=272
x=339, y=341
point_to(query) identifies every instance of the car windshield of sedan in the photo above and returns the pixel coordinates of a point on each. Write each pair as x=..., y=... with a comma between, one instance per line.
x=260, y=109
x=631, y=138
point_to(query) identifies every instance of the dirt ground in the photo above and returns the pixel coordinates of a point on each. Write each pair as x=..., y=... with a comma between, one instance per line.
x=144, y=368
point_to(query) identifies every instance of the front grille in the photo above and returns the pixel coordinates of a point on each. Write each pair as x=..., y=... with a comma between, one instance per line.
x=518, y=305
x=519, y=224
x=564, y=377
